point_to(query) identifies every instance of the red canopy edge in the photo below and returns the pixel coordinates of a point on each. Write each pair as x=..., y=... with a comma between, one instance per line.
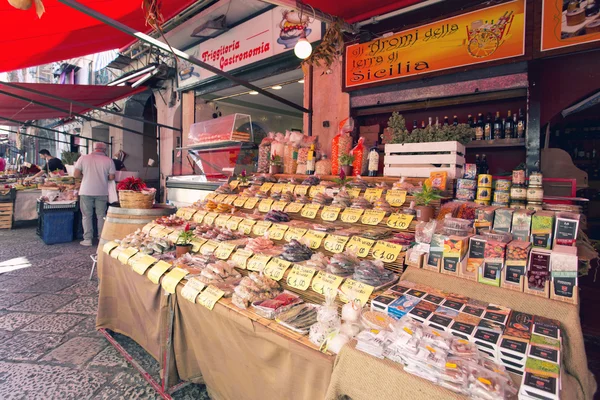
x=360, y=10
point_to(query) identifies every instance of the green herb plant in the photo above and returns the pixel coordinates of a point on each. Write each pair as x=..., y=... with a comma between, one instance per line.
x=426, y=195
x=346, y=159
x=398, y=134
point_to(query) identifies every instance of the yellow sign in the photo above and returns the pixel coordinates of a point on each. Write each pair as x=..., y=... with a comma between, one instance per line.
x=173, y=277
x=358, y=290
x=115, y=253
x=188, y=213
x=351, y=215
x=326, y=284
x=192, y=289
x=157, y=271
x=360, y=246
x=199, y=216
x=209, y=218
x=301, y=189
x=330, y=213
x=109, y=246
x=314, y=238
x=335, y=243
x=230, y=199
x=386, y=251
x=210, y=196
x=222, y=220
x=240, y=258
x=219, y=198
x=209, y=247
x=279, y=205
x=126, y=254
x=294, y=207
x=251, y=203
x=372, y=217
x=265, y=187
x=148, y=227
x=197, y=243
x=289, y=187
x=174, y=236
x=141, y=262
x=265, y=205
x=167, y=231
x=246, y=226
x=224, y=250
x=395, y=197
x=234, y=184
x=277, y=231
x=258, y=262
x=276, y=268
x=354, y=193
x=277, y=188
x=373, y=194
x=400, y=221
x=300, y=277
x=158, y=232
x=314, y=190
x=261, y=227
x=240, y=201
x=294, y=233
x=234, y=223
x=180, y=212
x=210, y=296
x=310, y=211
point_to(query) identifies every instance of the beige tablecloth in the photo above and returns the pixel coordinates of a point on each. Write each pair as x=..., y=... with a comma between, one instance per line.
x=26, y=205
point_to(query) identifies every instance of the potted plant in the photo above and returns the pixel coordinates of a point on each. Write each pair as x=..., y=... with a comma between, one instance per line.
x=346, y=161
x=69, y=159
x=133, y=193
x=424, y=197
x=183, y=244
x=243, y=178
x=276, y=164
x=343, y=180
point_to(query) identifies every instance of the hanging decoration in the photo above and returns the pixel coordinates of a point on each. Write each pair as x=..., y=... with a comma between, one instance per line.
x=26, y=5
x=329, y=50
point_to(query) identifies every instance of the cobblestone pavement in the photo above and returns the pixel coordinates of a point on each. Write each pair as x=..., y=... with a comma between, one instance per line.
x=49, y=347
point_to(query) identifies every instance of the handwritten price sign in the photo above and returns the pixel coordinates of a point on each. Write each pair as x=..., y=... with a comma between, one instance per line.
x=335, y=243
x=276, y=268
x=310, y=211
x=210, y=218
x=251, y=203
x=265, y=205
x=395, y=197
x=224, y=251
x=279, y=205
x=386, y=252
x=240, y=258
x=246, y=226
x=196, y=244
x=234, y=223
x=351, y=215
x=314, y=238
x=258, y=262
x=330, y=213
x=210, y=296
x=172, y=279
x=301, y=190
x=360, y=246
x=326, y=284
x=400, y=221
x=373, y=194
x=294, y=208
x=300, y=277
x=372, y=217
x=192, y=289
x=294, y=233
x=222, y=219
x=315, y=190
x=240, y=201
x=277, y=188
x=199, y=216
x=141, y=262
x=230, y=199
x=354, y=193
x=277, y=231
x=266, y=187
x=358, y=290
x=261, y=227
x=209, y=247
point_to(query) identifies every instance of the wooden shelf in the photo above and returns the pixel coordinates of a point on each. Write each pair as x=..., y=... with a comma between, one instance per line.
x=476, y=144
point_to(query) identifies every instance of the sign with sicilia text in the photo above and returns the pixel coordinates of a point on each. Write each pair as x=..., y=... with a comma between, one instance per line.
x=490, y=34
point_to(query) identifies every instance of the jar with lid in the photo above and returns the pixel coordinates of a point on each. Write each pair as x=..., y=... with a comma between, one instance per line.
x=518, y=193
x=518, y=204
x=535, y=193
x=535, y=179
x=518, y=177
x=535, y=205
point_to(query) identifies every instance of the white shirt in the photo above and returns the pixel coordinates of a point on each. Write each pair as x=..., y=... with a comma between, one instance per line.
x=95, y=168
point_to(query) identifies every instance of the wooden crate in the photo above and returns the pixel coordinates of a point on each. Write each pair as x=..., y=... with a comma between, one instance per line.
x=6, y=215
x=418, y=159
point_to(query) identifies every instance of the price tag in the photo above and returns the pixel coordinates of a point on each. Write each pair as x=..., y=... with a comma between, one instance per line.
x=210, y=196
x=279, y=206
x=330, y=213
x=360, y=246
x=294, y=207
x=199, y=216
x=301, y=190
x=126, y=254
x=188, y=214
x=372, y=217
x=240, y=201
x=351, y=215
x=141, y=262
x=246, y=226
x=251, y=203
x=265, y=205
x=310, y=211
x=240, y=258
x=209, y=247
x=234, y=223
x=158, y=232
x=115, y=253
x=386, y=252
x=180, y=212
x=210, y=296
x=314, y=238
x=219, y=198
x=258, y=262
x=326, y=284
x=261, y=227
x=300, y=277
x=277, y=188
x=167, y=231
x=277, y=231
x=314, y=190
x=234, y=184
x=230, y=199
x=222, y=219
x=108, y=247
x=174, y=236
x=294, y=233
x=276, y=268
x=265, y=187
x=354, y=193
x=400, y=221
x=373, y=194
x=395, y=197
x=148, y=227
x=335, y=243
x=157, y=271
x=192, y=289
x=359, y=290
x=224, y=250
x=210, y=217
x=173, y=277
x=196, y=244
x=289, y=187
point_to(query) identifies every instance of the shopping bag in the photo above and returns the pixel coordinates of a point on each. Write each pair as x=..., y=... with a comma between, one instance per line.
x=113, y=197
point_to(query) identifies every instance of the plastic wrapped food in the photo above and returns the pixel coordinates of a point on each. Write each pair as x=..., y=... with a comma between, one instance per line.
x=318, y=261
x=322, y=199
x=295, y=251
x=270, y=308
x=359, y=165
x=264, y=154
x=255, y=287
x=424, y=231
x=328, y=321
x=376, y=320
x=288, y=196
x=299, y=318
x=311, y=181
x=375, y=233
x=342, y=199
x=290, y=158
x=403, y=185
x=448, y=208
x=261, y=245
x=381, y=204
x=323, y=166
x=361, y=203
x=277, y=216
x=373, y=273
x=343, y=264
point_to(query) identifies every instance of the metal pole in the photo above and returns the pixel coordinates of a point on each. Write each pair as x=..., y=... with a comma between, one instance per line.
x=193, y=60
x=34, y=136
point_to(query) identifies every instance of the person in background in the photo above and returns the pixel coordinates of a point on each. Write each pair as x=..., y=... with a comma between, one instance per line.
x=119, y=166
x=52, y=164
x=2, y=163
x=95, y=169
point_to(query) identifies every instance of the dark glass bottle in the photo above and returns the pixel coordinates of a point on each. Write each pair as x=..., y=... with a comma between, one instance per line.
x=415, y=124
x=520, y=125
x=487, y=128
x=479, y=127
x=498, y=126
x=455, y=120
x=470, y=121
x=508, y=126
x=485, y=169
x=446, y=121
x=477, y=164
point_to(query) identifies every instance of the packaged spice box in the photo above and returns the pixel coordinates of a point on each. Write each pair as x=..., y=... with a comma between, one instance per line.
x=436, y=250
x=455, y=249
x=470, y=269
x=542, y=223
x=521, y=224
x=514, y=273
x=565, y=231
x=538, y=273
x=503, y=219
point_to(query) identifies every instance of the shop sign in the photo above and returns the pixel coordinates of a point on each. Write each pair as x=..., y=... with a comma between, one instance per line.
x=489, y=34
x=560, y=30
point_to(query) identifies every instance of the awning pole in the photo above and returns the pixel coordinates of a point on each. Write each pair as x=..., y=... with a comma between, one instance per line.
x=193, y=60
x=34, y=136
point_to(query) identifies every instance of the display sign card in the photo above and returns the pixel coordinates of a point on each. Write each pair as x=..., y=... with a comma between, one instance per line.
x=246, y=226
x=335, y=243
x=210, y=296
x=172, y=278
x=277, y=231
x=279, y=205
x=294, y=233
x=209, y=247
x=330, y=213
x=157, y=271
x=240, y=258
x=326, y=284
x=351, y=215
x=315, y=190
x=126, y=254
x=251, y=203
x=396, y=197
x=258, y=262
x=300, y=277
x=109, y=246
x=220, y=198
x=372, y=194
x=386, y=251
x=199, y=216
x=372, y=217
x=230, y=199
x=314, y=238
x=358, y=290
x=210, y=218
x=192, y=289
x=196, y=244
x=301, y=190
x=354, y=193
x=293, y=208
x=224, y=250
x=265, y=205
x=222, y=219
x=240, y=201
x=277, y=188
x=141, y=262
x=360, y=246
x=261, y=227
x=276, y=268
x=310, y=211
x=234, y=223
x=400, y=221
x=266, y=187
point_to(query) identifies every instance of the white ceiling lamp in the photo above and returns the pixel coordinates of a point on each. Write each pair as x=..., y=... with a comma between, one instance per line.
x=253, y=92
x=303, y=49
x=301, y=80
x=276, y=87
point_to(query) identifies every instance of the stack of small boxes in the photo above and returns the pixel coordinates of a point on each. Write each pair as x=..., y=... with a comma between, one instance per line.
x=467, y=186
x=484, y=189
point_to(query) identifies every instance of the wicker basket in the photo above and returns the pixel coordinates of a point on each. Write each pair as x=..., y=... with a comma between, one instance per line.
x=132, y=199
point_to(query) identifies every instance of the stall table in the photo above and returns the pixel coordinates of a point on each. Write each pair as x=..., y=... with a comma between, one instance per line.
x=25, y=205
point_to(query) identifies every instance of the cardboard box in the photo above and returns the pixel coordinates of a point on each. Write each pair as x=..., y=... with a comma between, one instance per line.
x=475, y=256
x=487, y=342
x=371, y=134
x=455, y=250
x=546, y=332
x=496, y=313
x=542, y=224
x=538, y=269
x=493, y=264
x=381, y=303
x=503, y=219
x=515, y=268
x=415, y=258
x=564, y=289
x=566, y=229
x=401, y=306
x=564, y=261
x=436, y=251
x=514, y=346
x=535, y=386
x=521, y=224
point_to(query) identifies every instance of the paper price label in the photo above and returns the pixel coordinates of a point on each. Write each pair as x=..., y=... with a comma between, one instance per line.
x=157, y=271
x=174, y=236
x=240, y=201
x=115, y=253
x=251, y=203
x=300, y=277
x=234, y=184
x=310, y=211
x=197, y=243
x=108, y=247
x=301, y=190
x=314, y=238
x=230, y=199
x=209, y=247
x=126, y=254
x=246, y=226
x=353, y=192
x=172, y=279
x=314, y=190
x=276, y=268
x=294, y=207
x=240, y=258
x=167, y=231
x=234, y=223
x=141, y=262
x=294, y=233
x=224, y=250
x=210, y=218
x=326, y=284
x=257, y=263
x=192, y=289
x=277, y=188
x=148, y=227
x=265, y=205
x=400, y=221
x=158, y=232
x=335, y=243
x=210, y=196
x=199, y=216
x=277, y=231
x=180, y=212
x=279, y=205
x=395, y=197
x=222, y=219
x=220, y=198
x=372, y=217
x=360, y=246
x=289, y=187
x=358, y=290
x=188, y=214
x=265, y=187
x=373, y=194
x=351, y=215
x=386, y=252
x=261, y=227
x=210, y=296
x=330, y=213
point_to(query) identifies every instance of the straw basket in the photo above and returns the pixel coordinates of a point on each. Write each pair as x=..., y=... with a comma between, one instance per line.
x=132, y=199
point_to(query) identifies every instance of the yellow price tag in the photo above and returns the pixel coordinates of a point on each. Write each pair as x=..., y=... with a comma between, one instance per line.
x=180, y=212
x=222, y=219
x=240, y=201
x=148, y=227
x=294, y=207
x=300, y=277
x=400, y=221
x=141, y=262
x=277, y=231
x=279, y=205
x=157, y=271
x=261, y=227
x=158, y=232
x=373, y=194
x=224, y=250
x=126, y=254
x=240, y=258
x=210, y=218
x=277, y=188
x=196, y=244
x=354, y=193
x=220, y=198
x=251, y=203
x=335, y=243
x=230, y=199
x=289, y=187
x=351, y=215
x=199, y=216
x=209, y=247
x=188, y=213
x=310, y=211
x=192, y=289
x=330, y=213
x=301, y=190
x=246, y=226
x=276, y=268
x=360, y=246
x=234, y=223
x=294, y=233
x=174, y=236
x=372, y=217
x=395, y=197
x=265, y=205
x=326, y=284
x=115, y=253
x=358, y=290
x=210, y=196
x=314, y=190
x=210, y=296
x=386, y=251
x=173, y=277
x=234, y=184
x=108, y=247
x=258, y=262
x=265, y=187
x=314, y=238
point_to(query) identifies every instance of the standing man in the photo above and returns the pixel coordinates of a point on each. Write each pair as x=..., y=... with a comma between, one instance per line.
x=97, y=169
x=52, y=164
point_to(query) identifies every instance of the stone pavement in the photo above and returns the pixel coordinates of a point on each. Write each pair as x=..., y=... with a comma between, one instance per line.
x=49, y=348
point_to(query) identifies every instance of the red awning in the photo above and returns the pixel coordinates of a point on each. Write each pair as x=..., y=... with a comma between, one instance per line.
x=359, y=10
x=63, y=33
x=24, y=110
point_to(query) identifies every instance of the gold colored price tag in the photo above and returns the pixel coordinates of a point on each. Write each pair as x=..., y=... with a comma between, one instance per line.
x=230, y=199
x=246, y=226
x=222, y=219
x=167, y=231
x=360, y=246
x=157, y=271
x=314, y=190
x=265, y=187
x=209, y=247
x=115, y=253
x=141, y=262
x=180, y=212
x=314, y=238
x=358, y=290
x=310, y=211
x=294, y=208
x=386, y=251
x=261, y=227
x=301, y=189
x=240, y=258
x=210, y=296
x=294, y=233
x=335, y=243
x=277, y=231
x=289, y=187
x=199, y=216
x=372, y=217
x=174, y=236
x=172, y=279
x=219, y=198
x=192, y=289
x=188, y=213
x=234, y=184
x=277, y=188
x=258, y=262
x=126, y=254
x=276, y=268
x=109, y=246
x=279, y=206
x=300, y=277
x=351, y=215
x=354, y=193
x=157, y=232
x=330, y=213
x=251, y=203
x=224, y=250
x=210, y=196
x=196, y=244
x=326, y=284
x=240, y=201
x=400, y=221
x=395, y=197
x=234, y=223
x=148, y=227
x=265, y=205
x=210, y=217
x=373, y=194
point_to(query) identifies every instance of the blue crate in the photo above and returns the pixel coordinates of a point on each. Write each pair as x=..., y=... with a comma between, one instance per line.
x=56, y=227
